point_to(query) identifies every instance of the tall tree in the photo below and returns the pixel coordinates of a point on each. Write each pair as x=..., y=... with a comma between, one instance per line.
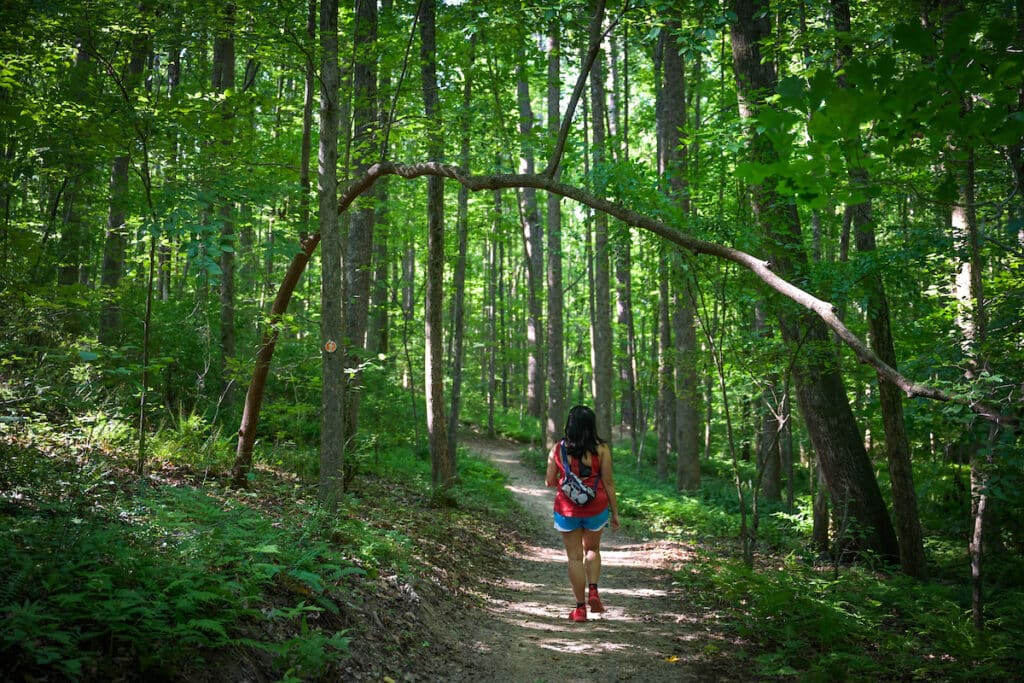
x=821, y=394
x=897, y=447
x=359, y=251
x=116, y=238
x=532, y=243
x=223, y=83
x=441, y=458
x=672, y=127
x=462, y=230
x=555, y=332
x=308, y=95
x=602, y=358
x=622, y=243
x=332, y=435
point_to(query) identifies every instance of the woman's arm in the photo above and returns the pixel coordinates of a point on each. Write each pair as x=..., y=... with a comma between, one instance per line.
x=609, y=483
x=551, y=476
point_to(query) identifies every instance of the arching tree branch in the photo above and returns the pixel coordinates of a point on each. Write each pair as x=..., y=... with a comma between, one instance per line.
x=758, y=267
x=475, y=183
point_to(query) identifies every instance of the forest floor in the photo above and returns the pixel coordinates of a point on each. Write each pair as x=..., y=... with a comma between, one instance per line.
x=521, y=630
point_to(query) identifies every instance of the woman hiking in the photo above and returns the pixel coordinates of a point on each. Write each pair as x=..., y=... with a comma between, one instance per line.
x=582, y=510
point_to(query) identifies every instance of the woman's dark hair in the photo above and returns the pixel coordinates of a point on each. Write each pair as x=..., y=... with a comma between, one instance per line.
x=581, y=432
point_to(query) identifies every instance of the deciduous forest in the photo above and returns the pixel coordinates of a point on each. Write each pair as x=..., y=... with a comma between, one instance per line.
x=280, y=278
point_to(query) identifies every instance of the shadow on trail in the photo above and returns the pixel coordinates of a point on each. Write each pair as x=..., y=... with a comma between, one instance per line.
x=647, y=632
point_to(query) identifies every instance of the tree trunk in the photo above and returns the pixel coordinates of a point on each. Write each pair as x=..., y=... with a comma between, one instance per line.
x=819, y=385
x=687, y=391
x=332, y=435
x=493, y=269
x=601, y=343
x=359, y=252
x=113, y=252
x=441, y=459
x=529, y=216
x=556, y=408
x=769, y=460
x=672, y=167
x=666, y=384
x=972, y=327
x=618, y=125
x=223, y=80
x=901, y=476
x=459, y=280
x=377, y=330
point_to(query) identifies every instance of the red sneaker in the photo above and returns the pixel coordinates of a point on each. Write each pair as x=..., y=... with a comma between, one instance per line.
x=579, y=614
x=595, y=601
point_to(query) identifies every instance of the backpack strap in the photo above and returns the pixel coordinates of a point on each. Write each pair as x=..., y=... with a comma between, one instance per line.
x=594, y=471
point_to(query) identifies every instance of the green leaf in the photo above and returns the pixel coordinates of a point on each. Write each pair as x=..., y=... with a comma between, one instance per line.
x=913, y=38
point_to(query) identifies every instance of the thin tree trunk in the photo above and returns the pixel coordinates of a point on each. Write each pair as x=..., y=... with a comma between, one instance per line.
x=768, y=452
x=306, y=145
x=223, y=80
x=901, y=476
x=687, y=390
x=377, y=332
x=666, y=385
x=601, y=345
x=441, y=459
x=359, y=251
x=113, y=252
x=493, y=267
x=459, y=280
x=618, y=124
x=332, y=435
x=556, y=408
x=532, y=244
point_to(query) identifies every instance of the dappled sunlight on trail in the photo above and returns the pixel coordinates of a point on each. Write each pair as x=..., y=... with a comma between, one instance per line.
x=646, y=633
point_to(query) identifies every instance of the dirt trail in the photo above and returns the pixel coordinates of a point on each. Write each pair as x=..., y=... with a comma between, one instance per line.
x=646, y=634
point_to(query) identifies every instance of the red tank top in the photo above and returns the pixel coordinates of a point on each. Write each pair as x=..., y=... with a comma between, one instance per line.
x=566, y=507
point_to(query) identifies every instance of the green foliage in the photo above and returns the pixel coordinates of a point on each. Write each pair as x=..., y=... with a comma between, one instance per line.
x=94, y=575
x=192, y=441
x=807, y=623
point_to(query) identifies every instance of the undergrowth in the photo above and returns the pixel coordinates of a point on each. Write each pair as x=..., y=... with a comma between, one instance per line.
x=176, y=576
x=800, y=619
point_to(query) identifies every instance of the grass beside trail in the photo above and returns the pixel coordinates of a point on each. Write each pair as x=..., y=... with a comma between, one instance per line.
x=180, y=577
x=805, y=618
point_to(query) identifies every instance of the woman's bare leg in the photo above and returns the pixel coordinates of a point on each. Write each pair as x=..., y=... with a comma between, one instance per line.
x=573, y=541
x=592, y=556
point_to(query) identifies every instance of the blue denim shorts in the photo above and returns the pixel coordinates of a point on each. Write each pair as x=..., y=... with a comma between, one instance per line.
x=594, y=523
